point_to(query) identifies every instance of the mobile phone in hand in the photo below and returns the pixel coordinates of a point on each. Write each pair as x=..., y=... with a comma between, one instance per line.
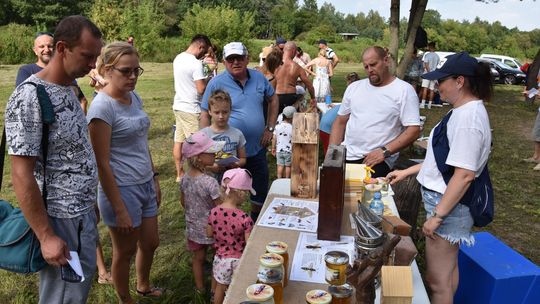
x=69, y=275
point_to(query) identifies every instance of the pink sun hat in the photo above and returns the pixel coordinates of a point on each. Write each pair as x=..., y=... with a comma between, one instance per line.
x=199, y=143
x=239, y=179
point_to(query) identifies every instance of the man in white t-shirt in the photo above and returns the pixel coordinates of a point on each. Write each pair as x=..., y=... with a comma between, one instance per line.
x=189, y=86
x=378, y=116
x=431, y=61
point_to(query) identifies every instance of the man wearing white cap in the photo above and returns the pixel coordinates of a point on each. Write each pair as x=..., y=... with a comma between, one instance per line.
x=248, y=89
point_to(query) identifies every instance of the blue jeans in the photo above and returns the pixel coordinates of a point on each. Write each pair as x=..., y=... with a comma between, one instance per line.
x=258, y=166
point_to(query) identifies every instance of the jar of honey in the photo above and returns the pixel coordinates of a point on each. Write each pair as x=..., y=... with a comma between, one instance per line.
x=280, y=248
x=336, y=267
x=271, y=273
x=318, y=296
x=341, y=294
x=260, y=293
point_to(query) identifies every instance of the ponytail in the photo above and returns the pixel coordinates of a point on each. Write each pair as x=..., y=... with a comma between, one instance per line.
x=481, y=84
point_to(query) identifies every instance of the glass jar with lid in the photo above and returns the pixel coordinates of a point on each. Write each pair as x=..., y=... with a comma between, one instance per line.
x=318, y=296
x=260, y=293
x=341, y=294
x=271, y=273
x=280, y=248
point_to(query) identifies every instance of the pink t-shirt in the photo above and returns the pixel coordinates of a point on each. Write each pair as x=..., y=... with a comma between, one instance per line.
x=229, y=226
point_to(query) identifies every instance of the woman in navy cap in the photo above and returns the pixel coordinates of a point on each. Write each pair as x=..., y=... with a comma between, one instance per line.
x=466, y=85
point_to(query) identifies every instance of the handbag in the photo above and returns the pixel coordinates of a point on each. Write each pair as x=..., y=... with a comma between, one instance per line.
x=479, y=196
x=19, y=247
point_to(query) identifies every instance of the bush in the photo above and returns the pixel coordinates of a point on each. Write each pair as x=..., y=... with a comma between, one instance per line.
x=16, y=43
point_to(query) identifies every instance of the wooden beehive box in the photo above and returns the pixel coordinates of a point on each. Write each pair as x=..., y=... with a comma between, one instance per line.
x=331, y=194
x=305, y=155
x=396, y=285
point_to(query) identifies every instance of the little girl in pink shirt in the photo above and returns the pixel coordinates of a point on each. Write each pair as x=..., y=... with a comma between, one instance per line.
x=230, y=228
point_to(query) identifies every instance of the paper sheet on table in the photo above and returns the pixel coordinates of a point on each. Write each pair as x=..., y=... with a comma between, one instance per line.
x=227, y=161
x=75, y=263
x=290, y=213
x=308, y=264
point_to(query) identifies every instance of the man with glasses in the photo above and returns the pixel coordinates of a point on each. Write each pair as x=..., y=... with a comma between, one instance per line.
x=189, y=86
x=248, y=89
x=67, y=222
x=378, y=116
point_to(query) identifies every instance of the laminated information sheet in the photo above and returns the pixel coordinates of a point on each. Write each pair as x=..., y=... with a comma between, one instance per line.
x=308, y=264
x=290, y=213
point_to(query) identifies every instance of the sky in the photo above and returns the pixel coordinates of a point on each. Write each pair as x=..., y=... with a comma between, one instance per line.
x=525, y=15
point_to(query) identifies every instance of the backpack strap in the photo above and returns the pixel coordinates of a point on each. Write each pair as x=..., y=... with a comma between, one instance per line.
x=48, y=118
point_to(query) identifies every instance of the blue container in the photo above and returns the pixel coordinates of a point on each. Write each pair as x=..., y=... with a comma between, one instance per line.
x=492, y=272
x=328, y=99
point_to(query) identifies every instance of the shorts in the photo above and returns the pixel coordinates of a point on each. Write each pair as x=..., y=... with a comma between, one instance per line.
x=456, y=226
x=536, y=128
x=287, y=100
x=140, y=201
x=186, y=124
x=283, y=159
x=223, y=269
x=194, y=246
x=430, y=84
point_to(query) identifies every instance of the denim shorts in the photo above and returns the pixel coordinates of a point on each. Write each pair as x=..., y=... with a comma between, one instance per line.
x=140, y=201
x=283, y=159
x=456, y=226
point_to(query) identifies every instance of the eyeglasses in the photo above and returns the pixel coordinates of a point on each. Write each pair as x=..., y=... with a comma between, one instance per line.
x=440, y=81
x=128, y=72
x=231, y=59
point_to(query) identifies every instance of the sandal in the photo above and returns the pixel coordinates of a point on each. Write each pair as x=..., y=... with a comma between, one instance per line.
x=105, y=278
x=154, y=292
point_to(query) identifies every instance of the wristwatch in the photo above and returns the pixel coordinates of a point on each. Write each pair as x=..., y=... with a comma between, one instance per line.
x=386, y=152
x=271, y=129
x=434, y=213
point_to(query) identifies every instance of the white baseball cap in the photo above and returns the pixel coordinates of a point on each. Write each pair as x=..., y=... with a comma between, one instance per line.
x=234, y=48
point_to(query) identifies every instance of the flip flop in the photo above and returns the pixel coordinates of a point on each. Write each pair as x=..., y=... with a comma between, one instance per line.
x=154, y=292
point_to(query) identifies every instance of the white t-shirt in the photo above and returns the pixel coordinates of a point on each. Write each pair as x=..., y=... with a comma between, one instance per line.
x=377, y=115
x=187, y=69
x=283, y=133
x=432, y=59
x=469, y=138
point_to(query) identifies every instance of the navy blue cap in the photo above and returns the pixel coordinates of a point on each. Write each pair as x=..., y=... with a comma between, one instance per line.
x=322, y=41
x=457, y=64
x=280, y=40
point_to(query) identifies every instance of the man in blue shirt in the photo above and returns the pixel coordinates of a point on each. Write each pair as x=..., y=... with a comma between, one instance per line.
x=248, y=90
x=43, y=48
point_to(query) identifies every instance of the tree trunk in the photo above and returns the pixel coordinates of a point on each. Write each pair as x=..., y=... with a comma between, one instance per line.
x=532, y=77
x=394, y=34
x=414, y=23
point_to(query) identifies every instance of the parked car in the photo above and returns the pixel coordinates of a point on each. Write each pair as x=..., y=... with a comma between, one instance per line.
x=509, y=61
x=507, y=75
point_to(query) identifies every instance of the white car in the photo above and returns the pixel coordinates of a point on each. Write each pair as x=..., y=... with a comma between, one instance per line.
x=509, y=61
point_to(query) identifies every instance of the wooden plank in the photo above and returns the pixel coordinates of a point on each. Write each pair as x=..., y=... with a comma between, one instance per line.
x=396, y=285
x=304, y=170
x=305, y=128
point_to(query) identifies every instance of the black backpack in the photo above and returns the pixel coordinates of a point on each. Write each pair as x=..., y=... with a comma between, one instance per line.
x=479, y=197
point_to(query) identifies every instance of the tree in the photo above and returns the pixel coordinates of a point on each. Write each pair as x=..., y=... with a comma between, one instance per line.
x=222, y=24
x=47, y=13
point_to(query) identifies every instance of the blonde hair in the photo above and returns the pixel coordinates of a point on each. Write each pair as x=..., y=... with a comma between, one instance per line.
x=235, y=195
x=219, y=96
x=322, y=52
x=195, y=162
x=111, y=53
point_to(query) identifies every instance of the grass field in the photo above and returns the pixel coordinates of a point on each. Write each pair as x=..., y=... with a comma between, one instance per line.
x=516, y=185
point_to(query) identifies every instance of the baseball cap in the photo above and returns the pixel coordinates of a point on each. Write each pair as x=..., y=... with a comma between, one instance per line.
x=300, y=90
x=457, y=64
x=280, y=40
x=199, y=143
x=239, y=179
x=289, y=111
x=322, y=41
x=234, y=48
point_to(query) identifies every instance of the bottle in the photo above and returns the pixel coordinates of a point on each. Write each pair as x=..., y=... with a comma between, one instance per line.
x=280, y=248
x=271, y=273
x=328, y=99
x=376, y=204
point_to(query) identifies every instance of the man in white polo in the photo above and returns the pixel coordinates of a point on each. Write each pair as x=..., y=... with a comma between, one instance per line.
x=189, y=86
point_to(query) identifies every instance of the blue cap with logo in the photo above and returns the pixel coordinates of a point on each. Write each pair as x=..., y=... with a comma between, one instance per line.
x=457, y=64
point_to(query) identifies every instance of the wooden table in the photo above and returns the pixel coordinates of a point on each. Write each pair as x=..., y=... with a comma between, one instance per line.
x=294, y=293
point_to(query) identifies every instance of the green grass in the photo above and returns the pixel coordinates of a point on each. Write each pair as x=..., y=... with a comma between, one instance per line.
x=516, y=185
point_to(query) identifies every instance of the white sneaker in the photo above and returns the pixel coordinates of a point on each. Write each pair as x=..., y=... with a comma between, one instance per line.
x=429, y=105
x=422, y=105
